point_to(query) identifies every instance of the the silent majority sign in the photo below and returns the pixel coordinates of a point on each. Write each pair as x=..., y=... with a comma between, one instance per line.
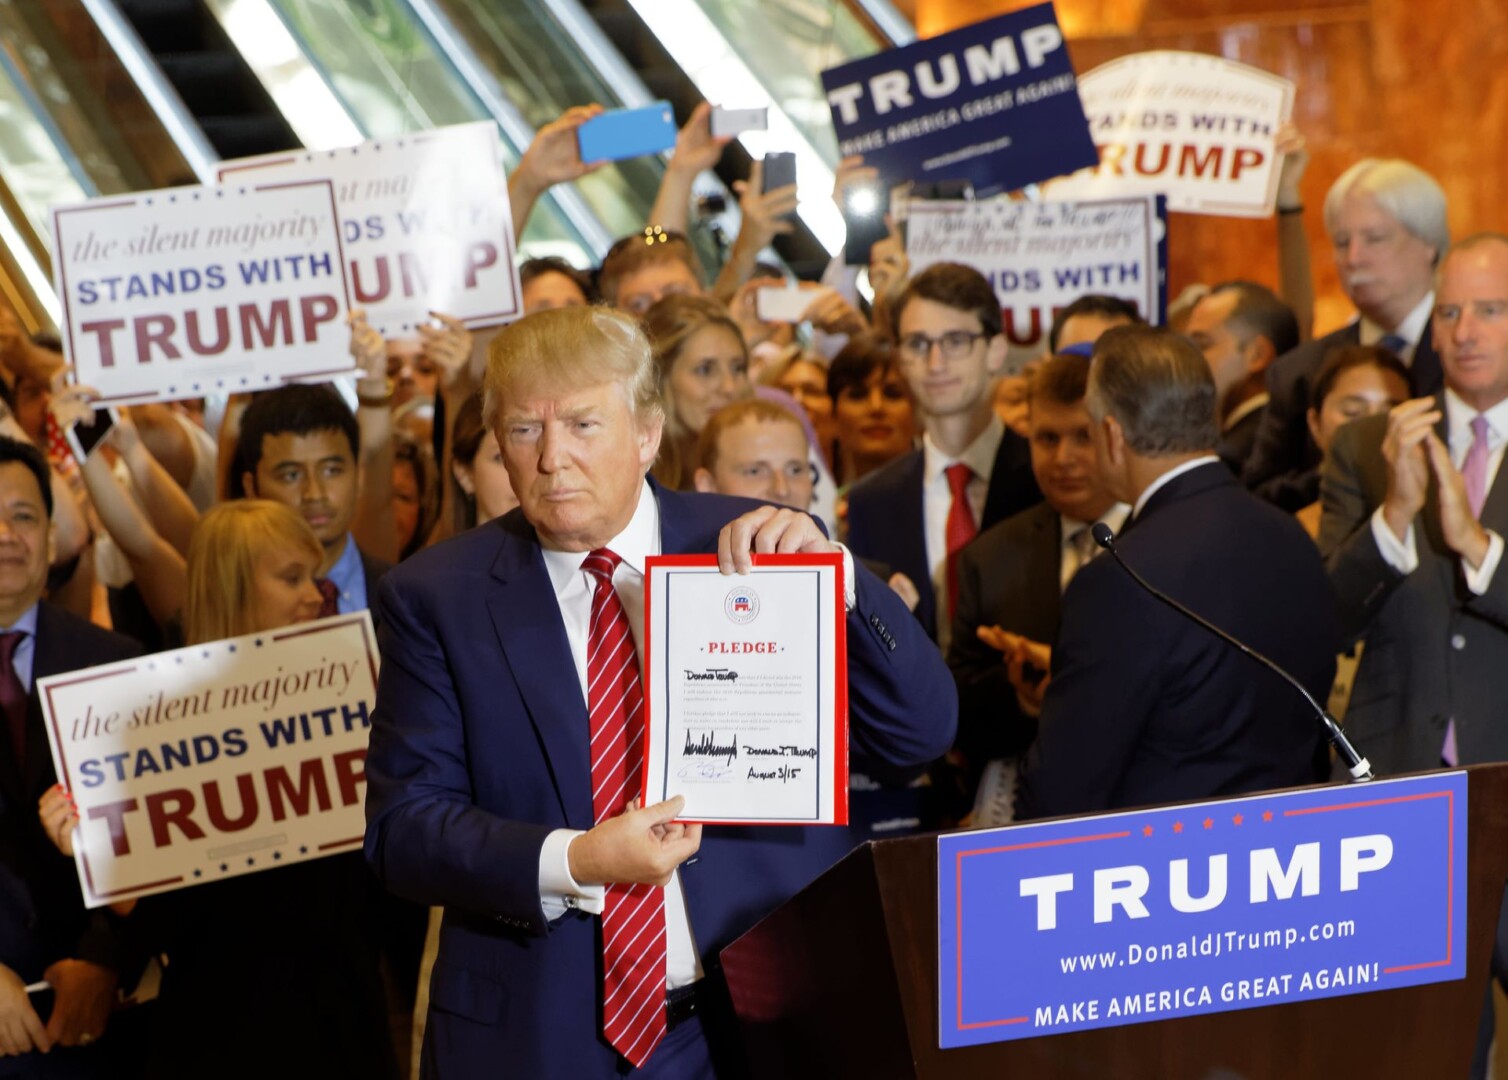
x=217, y=760
x=425, y=223
x=197, y=290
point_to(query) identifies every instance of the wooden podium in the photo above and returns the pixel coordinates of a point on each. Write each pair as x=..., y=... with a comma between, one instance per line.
x=841, y=981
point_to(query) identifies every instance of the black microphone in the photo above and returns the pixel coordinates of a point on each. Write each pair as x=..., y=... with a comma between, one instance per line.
x=1359, y=767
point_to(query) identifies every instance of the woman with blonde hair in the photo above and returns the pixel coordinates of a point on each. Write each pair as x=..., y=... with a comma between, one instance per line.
x=703, y=365
x=280, y=965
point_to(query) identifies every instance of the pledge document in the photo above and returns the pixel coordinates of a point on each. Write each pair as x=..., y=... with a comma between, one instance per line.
x=746, y=689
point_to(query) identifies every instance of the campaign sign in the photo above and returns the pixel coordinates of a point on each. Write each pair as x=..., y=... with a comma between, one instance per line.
x=1159, y=914
x=1197, y=128
x=425, y=220
x=1041, y=256
x=216, y=760
x=994, y=103
x=185, y=291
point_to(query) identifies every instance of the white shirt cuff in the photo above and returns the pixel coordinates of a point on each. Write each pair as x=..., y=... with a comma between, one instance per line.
x=1401, y=555
x=1479, y=579
x=850, y=593
x=558, y=890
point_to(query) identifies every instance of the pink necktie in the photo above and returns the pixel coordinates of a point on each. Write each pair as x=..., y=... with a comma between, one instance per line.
x=1474, y=468
x=633, y=916
x=1474, y=472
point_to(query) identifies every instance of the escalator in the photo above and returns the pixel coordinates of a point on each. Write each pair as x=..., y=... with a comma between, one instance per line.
x=197, y=57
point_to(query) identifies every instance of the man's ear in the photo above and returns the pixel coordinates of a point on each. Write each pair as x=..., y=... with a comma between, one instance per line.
x=649, y=442
x=704, y=482
x=249, y=484
x=1115, y=441
x=1259, y=352
x=52, y=542
x=995, y=353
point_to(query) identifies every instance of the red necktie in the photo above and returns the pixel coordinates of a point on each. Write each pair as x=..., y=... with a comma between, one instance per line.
x=961, y=526
x=13, y=696
x=633, y=916
x=329, y=597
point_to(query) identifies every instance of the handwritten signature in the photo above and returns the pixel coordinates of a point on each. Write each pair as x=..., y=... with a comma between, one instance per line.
x=718, y=674
x=706, y=745
x=703, y=770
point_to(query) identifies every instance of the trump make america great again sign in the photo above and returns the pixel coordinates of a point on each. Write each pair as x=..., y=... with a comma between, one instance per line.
x=1209, y=907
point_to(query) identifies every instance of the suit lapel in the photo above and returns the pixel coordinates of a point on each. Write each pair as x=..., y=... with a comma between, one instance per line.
x=1044, y=566
x=526, y=617
x=1425, y=373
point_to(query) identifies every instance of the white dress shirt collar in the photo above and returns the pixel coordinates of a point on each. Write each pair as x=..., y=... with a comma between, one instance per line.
x=639, y=539
x=1458, y=418
x=1172, y=474
x=979, y=455
x=1412, y=329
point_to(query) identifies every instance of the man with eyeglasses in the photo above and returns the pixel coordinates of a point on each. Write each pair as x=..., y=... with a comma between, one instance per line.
x=756, y=449
x=918, y=512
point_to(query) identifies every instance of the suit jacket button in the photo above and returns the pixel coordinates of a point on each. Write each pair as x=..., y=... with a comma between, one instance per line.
x=1458, y=642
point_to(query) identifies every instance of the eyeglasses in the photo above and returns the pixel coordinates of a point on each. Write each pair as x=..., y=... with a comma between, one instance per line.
x=955, y=345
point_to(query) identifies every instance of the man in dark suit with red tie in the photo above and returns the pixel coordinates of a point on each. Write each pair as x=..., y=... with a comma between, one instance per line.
x=45, y=930
x=581, y=936
x=1387, y=226
x=915, y=514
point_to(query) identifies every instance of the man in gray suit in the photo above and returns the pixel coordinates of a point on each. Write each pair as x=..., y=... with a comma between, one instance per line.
x=1414, y=517
x=1413, y=529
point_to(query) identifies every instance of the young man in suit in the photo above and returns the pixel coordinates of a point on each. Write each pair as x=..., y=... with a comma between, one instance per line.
x=45, y=930
x=1144, y=705
x=915, y=514
x=1241, y=327
x=502, y=761
x=1387, y=226
x=1010, y=579
x=1413, y=524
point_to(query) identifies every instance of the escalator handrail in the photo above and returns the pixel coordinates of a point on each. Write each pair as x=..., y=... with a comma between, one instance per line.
x=508, y=117
x=159, y=93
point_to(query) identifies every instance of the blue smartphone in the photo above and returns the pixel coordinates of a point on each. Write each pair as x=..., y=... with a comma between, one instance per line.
x=627, y=133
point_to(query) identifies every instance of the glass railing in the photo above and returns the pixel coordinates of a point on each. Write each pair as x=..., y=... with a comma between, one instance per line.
x=73, y=125
x=342, y=72
x=772, y=53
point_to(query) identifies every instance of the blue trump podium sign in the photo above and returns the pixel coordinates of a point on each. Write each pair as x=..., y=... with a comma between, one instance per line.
x=1158, y=914
x=995, y=103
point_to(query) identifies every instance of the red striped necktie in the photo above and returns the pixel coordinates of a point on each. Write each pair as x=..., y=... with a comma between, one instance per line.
x=633, y=916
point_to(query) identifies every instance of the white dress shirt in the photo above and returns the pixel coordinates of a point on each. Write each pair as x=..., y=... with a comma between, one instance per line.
x=1402, y=555
x=1070, y=561
x=1172, y=474
x=937, y=500
x=1412, y=329
x=574, y=587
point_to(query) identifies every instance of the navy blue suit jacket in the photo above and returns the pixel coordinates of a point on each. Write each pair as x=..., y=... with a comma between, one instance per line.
x=479, y=749
x=1146, y=706
x=886, y=522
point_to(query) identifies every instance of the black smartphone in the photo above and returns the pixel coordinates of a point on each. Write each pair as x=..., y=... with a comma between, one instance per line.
x=83, y=438
x=864, y=207
x=779, y=170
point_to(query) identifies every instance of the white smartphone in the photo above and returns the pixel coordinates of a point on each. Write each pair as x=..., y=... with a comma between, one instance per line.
x=726, y=123
x=779, y=303
x=83, y=438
